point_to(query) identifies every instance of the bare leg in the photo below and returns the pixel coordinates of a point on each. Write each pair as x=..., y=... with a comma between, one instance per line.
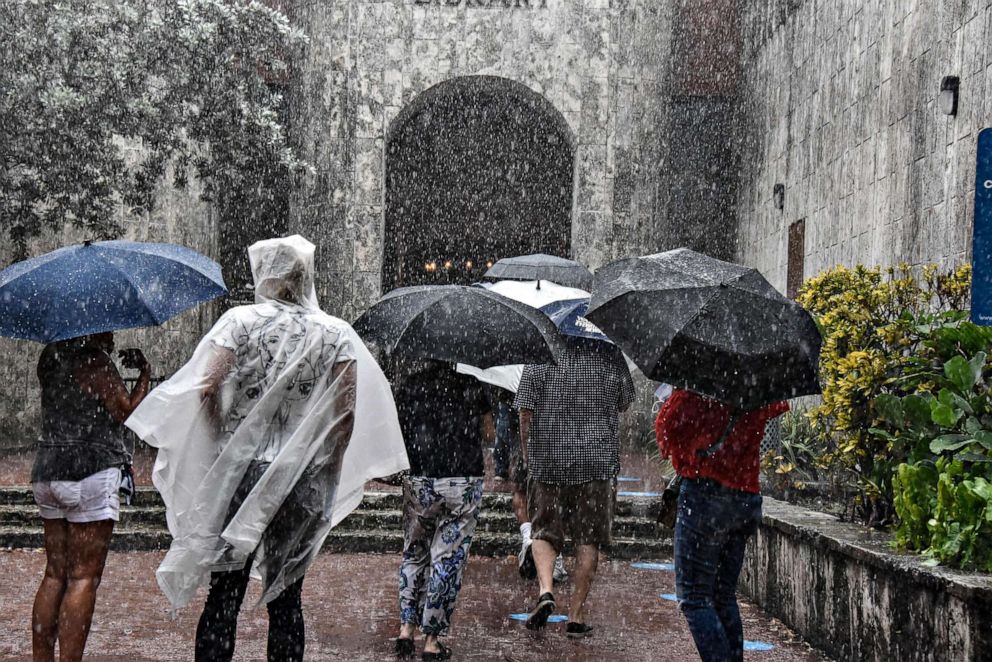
x=519, y=501
x=544, y=560
x=87, y=552
x=586, y=561
x=407, y=630
x=45, y=616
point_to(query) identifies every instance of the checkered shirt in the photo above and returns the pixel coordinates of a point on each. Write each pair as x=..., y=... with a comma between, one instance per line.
x=574, y=431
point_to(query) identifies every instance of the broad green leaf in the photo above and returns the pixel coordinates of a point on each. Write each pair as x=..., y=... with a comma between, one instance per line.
x=984, y=437
x=977, y=364
x=916, y=410
x=889, y=408
x=944, y=415
x=961, y=373
x=950, y=442
x=973, y=457
x=879, y=432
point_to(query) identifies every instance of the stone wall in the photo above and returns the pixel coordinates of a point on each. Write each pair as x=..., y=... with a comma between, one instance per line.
x=842, y=590
x=840, y=105
x=601, y=64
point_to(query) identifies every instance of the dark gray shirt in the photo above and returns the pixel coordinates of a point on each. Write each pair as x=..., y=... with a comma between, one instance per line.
x=574, y=432
x=78, y=435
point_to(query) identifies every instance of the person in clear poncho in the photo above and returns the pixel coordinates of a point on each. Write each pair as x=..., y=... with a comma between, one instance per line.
x=265, y=439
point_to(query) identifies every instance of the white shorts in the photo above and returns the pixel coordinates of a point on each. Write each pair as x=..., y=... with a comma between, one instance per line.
x=91, y=499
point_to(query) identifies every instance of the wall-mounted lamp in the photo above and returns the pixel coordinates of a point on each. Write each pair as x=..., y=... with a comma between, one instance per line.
x=948, y=99
x=778, y=195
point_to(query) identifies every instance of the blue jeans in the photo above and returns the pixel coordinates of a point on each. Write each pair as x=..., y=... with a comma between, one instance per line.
x=711, y=533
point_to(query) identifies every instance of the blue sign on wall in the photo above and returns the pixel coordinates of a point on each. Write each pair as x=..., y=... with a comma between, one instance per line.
x=981, y=251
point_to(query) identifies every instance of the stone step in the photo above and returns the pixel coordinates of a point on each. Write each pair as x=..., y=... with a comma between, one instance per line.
x=342, y=540
x=148, y=497
x=362, y=519
x=490, y=521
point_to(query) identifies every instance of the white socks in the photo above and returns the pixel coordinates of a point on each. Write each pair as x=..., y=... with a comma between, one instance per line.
x=525, y=532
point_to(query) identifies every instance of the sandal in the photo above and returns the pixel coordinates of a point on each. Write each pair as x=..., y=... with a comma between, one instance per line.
x=405, y=647
x=442, y=654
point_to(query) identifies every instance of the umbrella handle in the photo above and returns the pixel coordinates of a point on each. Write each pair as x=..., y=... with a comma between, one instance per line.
x=710, y=450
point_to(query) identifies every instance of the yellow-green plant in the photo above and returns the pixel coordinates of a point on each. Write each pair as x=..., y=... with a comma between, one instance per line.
x=874, y=323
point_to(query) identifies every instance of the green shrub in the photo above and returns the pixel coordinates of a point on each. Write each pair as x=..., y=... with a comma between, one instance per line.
x=875, y=325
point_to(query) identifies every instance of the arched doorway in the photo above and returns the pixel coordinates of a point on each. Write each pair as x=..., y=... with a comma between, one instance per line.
x=477, y=168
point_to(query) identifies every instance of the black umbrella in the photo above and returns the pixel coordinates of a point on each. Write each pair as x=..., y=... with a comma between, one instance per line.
x=542, y=267
x=460, y=324
x=713, y=327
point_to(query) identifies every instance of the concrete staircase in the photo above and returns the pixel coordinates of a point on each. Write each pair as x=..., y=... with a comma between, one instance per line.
x=373, y=527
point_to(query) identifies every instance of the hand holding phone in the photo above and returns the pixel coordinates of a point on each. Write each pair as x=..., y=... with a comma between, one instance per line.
x=133, y=359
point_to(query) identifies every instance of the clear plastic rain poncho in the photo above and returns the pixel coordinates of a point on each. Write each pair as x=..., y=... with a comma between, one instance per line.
x=251, y=431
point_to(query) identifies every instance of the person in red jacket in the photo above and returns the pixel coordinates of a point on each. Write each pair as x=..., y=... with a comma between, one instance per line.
x=716, y=451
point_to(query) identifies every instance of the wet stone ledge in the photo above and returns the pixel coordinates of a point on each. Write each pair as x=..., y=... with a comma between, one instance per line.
x=843, y=589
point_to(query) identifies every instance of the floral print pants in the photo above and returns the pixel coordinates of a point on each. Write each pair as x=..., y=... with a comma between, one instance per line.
x=439, y=517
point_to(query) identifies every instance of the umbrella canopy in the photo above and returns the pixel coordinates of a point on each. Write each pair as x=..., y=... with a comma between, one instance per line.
x=542, y=267
x=716, y=328
x=569, y=317
x=103, y=286
x=460, y=324
x=535, y=294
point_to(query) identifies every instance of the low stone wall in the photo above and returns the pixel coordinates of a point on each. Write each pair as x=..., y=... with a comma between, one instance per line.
x=842, y=589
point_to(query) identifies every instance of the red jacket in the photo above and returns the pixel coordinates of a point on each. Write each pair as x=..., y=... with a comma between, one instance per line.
x=689, y=422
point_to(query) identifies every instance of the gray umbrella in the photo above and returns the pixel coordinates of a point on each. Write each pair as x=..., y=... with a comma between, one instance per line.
x=716, y=328
x=542, y=267
x=461, y=324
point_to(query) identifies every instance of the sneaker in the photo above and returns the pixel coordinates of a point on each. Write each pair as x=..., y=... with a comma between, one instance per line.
x=525, y=561
x=559, y=574
x=538, y=618
x=577, y=630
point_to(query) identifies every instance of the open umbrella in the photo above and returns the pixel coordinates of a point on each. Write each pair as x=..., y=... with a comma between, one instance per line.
x=569, y=317
x=460, y=324
x=542, y=267
x=535, y=294
x=103, y=286
x=716, y=328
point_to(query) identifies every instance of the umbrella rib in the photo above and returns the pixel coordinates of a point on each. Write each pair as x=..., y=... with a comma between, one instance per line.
x=698, y=312
x=135, y=286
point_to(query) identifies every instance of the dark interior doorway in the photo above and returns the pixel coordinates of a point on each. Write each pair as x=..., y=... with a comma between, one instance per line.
x=477, y=168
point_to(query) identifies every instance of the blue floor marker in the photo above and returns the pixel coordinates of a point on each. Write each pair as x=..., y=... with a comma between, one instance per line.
x=628, y=479
x=757, y=646
x=554, y=618
x=671, y=597
x=653, y=566
x=639, y=494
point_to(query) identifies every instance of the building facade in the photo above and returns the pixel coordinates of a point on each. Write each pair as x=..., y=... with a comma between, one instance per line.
x=444, y=134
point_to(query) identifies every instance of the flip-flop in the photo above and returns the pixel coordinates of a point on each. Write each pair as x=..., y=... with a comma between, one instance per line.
x=442, y=654
x=405, y=647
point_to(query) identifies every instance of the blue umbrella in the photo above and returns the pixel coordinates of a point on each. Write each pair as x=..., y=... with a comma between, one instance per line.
x=568, y=316
x=103, y=286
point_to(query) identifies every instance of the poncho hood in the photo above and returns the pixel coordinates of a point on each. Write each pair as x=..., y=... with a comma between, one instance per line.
x=283, y=270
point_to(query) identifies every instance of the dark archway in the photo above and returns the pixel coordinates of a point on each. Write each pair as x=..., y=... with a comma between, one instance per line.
x=477, y=168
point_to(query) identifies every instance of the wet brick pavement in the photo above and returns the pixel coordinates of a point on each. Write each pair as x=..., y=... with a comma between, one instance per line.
x=351, y=614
